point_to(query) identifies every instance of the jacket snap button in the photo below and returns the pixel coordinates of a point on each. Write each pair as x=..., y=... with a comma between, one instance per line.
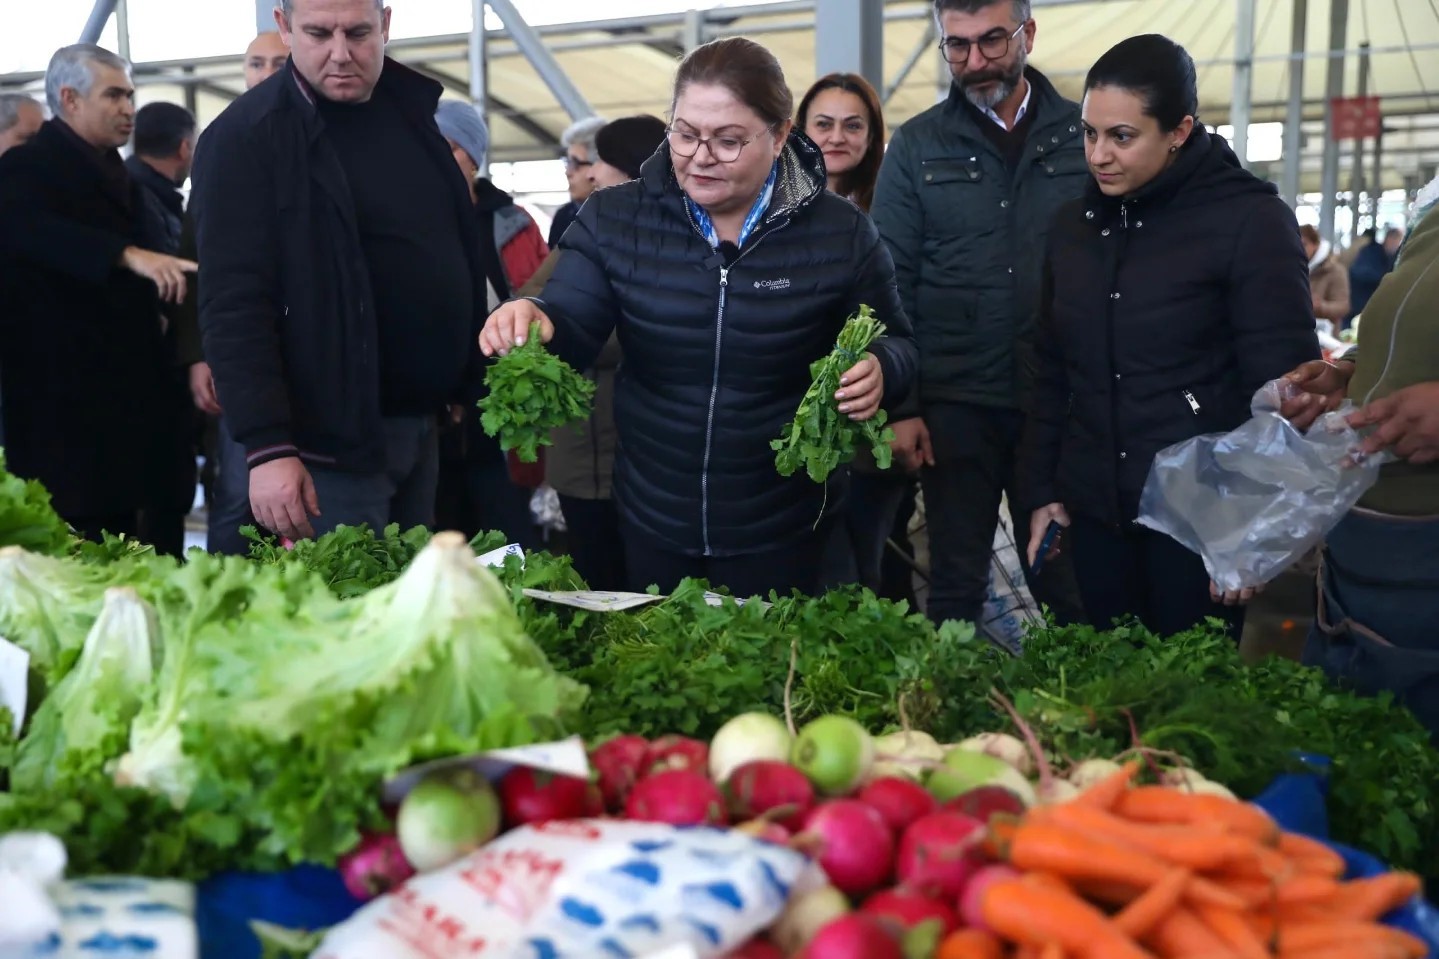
x=1040, y=149
x=1114, y=296
x=1118, y=376
x=1072, y=129
x=1139, y=223
x=1089, y=214
x=1011, y=269
x=1050, y=169
x=1124, y=456
x=1054, y=139
x=928, y=177
x=1104, y=232
x=974, y=174
x=1004, y=204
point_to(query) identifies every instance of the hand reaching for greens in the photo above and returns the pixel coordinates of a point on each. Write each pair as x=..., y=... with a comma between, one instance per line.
x=840, y=411
x=531, y=391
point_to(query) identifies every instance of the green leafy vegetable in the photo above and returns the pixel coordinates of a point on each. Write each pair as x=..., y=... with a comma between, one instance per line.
x=532, y=391
x=820, y=437
x=352, y=560
x=27, y=519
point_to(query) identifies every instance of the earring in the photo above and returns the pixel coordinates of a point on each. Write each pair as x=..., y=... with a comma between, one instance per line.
x=1173, y=148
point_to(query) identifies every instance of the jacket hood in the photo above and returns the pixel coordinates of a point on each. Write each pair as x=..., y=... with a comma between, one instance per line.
x=801, y=176
x=1207, y=171
x=1320, y=259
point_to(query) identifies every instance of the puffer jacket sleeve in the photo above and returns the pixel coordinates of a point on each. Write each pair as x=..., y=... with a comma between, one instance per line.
x=875, y=287
x=1048, y=409
x=579, y=298
x=1271, y=314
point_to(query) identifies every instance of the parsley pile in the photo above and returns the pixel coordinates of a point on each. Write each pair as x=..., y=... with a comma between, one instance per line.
x=531, y=391
x=820, y=437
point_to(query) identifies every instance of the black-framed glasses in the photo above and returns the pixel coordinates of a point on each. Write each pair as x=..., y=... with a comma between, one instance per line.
x=992, y=46
x=723, y=149
x=572, y=164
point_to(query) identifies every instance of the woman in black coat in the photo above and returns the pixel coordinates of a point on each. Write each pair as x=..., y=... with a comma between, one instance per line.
x=727, y=269
x=1174, y=289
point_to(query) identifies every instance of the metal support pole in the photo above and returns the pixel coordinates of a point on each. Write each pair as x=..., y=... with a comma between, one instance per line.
x=542, y=60
x=1356, y=183
x=1333, y=88
x=95, y=25
x=265, y=16
x=1294, y=115
x=192, y=93
x=694, y=33
x=1377, y=194
x=849, y=38
x=479, y=69
x=1241, y=106
x=122, y=29
x=925, y=45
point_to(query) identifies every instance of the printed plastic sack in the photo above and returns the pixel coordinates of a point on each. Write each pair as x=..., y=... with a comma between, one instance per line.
x=576, y=890
x=1009, y=609
x=1253, y=501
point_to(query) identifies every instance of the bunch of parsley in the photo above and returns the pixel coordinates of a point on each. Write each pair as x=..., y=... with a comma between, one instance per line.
x=530, y=392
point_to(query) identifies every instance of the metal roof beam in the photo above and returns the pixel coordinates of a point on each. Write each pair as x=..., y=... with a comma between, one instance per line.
x=95, y=24
x=542, y=60
x=493, y=104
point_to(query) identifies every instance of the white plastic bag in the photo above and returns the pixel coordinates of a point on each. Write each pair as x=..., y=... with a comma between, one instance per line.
x=1252, y=502
x=566, y=890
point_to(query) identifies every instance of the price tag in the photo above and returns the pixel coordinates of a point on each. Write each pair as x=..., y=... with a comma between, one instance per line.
x=594, y=601
x=567, y=757
x=14, y=680
x=496, y=557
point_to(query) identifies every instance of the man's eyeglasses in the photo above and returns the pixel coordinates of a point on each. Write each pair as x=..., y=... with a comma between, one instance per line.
x=572, y=164
x=992, y=46
x=723, y=149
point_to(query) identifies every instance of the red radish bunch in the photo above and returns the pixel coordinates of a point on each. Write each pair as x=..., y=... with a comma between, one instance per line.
x=534, y=796
x=939, y=853
x=677, y=752
x=854, y=936
x=766, y=785
x=856, y=846
x=899, y=801
x=619, y=762
x=909, y=908
x=375, y=866
x=679, y=797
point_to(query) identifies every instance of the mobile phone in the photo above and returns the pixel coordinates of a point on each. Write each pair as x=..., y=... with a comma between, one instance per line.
x=1045, y=545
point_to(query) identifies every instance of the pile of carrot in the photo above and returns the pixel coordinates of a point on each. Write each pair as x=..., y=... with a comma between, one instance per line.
x=1153, y=872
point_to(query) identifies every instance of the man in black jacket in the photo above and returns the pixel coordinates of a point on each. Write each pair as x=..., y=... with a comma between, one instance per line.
x=164, y=149
x=81, y=349
x=964, y=201
x=342, y=299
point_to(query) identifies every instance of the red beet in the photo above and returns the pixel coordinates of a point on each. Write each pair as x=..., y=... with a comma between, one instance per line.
x=756, y=949
x=854, y=936
x=534, y=796
x=986, y=801
x=971, y=897
x=909, y=908
x=939, y=852
x=899, y=801
x=619, y=763
x=677, y=752
x=375, y=866
x=766, y=784
x=857, y=850
x=678, y=797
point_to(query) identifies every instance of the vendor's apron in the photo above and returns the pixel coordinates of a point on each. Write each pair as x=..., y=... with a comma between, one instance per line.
x=1377, y=626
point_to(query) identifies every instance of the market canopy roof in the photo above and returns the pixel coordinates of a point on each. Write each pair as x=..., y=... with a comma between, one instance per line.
x=625, y=66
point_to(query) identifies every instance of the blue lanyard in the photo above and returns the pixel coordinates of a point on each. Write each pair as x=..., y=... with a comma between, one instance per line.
x=756, y=213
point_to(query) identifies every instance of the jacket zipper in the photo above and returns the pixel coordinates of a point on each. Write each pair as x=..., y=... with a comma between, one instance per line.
x=1193, y=403
x=714, y=379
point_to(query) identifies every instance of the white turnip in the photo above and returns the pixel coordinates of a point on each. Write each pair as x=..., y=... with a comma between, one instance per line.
x=747, y=738
x=1093, y=771
x=898, y=800
x=835, y=753
x=907, y=753
x=1002, y=746
x=446, y=817
x=680, y=797
x=857, y=847
x=938, y=853
x=769, y=786
x=805, y=915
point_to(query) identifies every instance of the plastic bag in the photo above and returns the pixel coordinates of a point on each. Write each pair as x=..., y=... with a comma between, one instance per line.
x=1252, y=502
x=582, y=889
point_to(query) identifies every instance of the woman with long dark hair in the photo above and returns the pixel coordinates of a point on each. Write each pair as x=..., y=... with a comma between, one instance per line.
x=1173, y=290
x=841, y=113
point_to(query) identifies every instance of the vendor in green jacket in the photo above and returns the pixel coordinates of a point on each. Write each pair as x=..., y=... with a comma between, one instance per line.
x=1378, y=617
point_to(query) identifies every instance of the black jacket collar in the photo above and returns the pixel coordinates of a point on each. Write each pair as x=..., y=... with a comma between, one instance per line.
x=157, y=183
x=288, y=90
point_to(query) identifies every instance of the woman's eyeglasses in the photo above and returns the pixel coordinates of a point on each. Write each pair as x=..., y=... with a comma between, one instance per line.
x=723, y=149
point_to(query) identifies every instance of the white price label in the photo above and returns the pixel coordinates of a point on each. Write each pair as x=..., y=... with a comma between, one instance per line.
x=14, y=680
x=496, y=557
x=595, y=601
x=567, y=757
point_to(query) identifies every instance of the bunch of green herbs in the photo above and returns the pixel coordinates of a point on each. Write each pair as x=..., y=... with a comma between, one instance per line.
x=530, y=392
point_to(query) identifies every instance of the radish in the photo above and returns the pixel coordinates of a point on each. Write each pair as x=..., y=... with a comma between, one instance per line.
x=446, y=817
x=680, y=797
x=676, y=752
x=1004, y=747
x=766, y=831
x=619, y=762
x=899, y=801
x=857, y=846
x=375, y=866
x=909, y=909
x=758, y=787
x=534, y=796
x=987, y=801
x=835, y=753
x=1093, y=771
x=805, y=915
x=756, y=949
x=938, y=853
x=747, y=738
x=971, y=898
x=964, y=770
x=853, y=937
x=909, y=754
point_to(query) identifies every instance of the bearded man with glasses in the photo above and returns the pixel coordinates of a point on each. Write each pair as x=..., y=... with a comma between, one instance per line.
x=964, y=201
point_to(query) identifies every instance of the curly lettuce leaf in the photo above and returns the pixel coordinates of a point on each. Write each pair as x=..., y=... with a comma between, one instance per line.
x=27, y=519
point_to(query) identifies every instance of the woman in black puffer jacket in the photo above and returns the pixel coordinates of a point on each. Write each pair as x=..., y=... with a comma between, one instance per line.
x=1174, y=289
x=727, y=269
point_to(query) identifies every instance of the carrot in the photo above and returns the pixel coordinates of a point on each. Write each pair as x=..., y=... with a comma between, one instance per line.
x=1105, y=793
x=970, y=944
x=1109, y=893
x=1265, y=863
x=1230, y=926
x=1161, y=804
x=1297, y=937
x=1373, y=897
x=1038, y=915
x=1047, y=847
x=1026, y=951
x=1201, y=848
x=1350, y=950
x=1144, y=913
x=1311, y=854
x=1051, y=950
x=1182, y=934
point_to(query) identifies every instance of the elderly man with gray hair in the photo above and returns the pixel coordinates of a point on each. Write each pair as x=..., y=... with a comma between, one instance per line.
x=578, y=142
x=20, y=119
x=81, y=348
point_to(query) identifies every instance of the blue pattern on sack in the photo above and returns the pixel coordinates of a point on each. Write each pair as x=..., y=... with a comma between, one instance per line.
x=717, y=857
x=112, y=945
x=82, y=910
x=723, y=892
x=613, y=948
x=710, y=933
x=582, y=913
x=645, y=921
x=111, y=885
x=50, y=947
x=756, y=213
x=544, y=949
x=646, y=872
x=651, y=845
x=778, y=886
x=155, y=909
